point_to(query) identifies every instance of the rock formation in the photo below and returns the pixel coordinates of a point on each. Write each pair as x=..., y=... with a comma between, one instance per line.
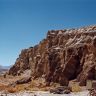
x=63, y=56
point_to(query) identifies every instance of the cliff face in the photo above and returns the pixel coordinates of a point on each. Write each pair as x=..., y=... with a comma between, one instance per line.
x=63, y=56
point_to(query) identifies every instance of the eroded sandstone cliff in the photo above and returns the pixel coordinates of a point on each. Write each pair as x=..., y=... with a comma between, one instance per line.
x=63, y=56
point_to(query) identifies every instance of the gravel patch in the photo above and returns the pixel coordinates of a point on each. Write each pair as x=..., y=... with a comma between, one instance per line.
x=41, y=93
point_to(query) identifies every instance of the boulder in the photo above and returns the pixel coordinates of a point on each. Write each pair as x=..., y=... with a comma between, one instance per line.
x=23, y=80
x=61, y=90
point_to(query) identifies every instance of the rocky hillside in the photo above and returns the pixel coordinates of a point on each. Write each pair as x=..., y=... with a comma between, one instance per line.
x=63, y=56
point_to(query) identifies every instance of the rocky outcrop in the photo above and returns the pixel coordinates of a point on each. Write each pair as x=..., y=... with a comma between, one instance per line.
x=63, y=56
x=21, y=64
x=23, y=80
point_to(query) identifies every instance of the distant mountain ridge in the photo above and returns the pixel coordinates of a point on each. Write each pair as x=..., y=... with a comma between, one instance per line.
x=4, y=68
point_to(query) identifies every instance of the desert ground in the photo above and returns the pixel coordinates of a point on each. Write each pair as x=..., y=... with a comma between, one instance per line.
x=33, y=88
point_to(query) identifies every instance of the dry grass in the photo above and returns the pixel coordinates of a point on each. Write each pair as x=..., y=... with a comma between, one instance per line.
x=76, y=88
x=35, y=85
x=38, y=85
x=17, y=88
x=11, y=90
x=8, y=89
x=2, y=87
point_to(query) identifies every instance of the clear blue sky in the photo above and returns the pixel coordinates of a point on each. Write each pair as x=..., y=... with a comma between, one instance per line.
x=23, y=23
